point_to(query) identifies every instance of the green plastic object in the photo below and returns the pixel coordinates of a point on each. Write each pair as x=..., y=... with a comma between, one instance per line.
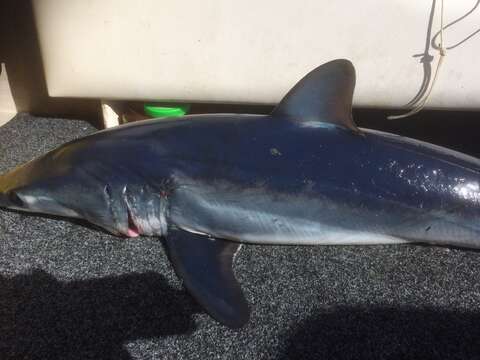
x=159, y=111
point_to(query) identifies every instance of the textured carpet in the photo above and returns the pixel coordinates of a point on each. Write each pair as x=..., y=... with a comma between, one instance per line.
x=71, y=292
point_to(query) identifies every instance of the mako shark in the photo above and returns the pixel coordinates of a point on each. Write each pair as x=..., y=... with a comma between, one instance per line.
x=305, y=174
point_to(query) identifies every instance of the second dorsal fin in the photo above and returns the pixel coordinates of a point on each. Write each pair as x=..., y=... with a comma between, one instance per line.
x=323, y=96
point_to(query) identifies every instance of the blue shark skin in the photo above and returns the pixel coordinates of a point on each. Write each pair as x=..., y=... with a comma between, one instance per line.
x=303, y=175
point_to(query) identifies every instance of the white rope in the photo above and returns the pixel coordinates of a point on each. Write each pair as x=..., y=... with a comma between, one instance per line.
x=421, y=104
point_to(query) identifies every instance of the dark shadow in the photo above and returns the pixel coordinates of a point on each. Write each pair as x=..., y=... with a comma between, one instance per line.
x=43, y=318
x=208, y=108
x=385, y=333
x=435, y=42
x=456, y=130
x=20, y=51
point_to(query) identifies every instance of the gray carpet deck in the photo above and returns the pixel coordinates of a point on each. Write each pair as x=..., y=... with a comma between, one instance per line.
x=71, y=292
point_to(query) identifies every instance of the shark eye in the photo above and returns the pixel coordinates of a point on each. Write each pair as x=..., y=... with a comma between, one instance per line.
x=15, y=199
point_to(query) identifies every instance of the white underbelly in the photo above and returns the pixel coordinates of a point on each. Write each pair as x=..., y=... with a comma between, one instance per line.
x=334, y=237
x=249, y=218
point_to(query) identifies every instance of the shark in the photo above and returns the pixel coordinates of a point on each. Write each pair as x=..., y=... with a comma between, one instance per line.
x=303, y=174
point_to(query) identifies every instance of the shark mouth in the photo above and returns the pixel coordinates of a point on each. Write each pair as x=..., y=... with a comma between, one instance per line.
x=133, y=230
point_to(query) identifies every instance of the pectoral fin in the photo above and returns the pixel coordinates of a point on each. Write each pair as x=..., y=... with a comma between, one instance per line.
x=205, y=265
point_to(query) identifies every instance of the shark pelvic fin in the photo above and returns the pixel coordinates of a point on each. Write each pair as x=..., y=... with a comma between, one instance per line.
x=205, y=265
x=323, y=96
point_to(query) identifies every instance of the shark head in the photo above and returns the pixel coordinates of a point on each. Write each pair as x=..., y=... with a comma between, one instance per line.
x=51, y=186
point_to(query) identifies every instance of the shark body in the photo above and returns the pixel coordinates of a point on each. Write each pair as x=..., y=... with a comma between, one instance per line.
x=304, y=174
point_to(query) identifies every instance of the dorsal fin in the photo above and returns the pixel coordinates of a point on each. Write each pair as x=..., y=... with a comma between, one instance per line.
x=323, y=95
